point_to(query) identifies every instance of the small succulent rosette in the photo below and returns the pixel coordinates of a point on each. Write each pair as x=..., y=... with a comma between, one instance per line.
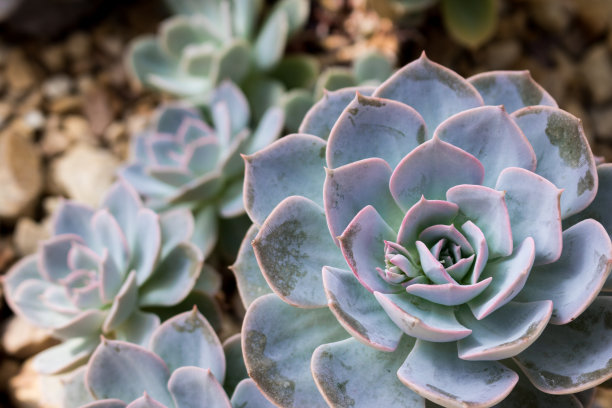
x=182, y=162
x=102, y=273
x=208, y=41
x=433, y=238
x=183, y=365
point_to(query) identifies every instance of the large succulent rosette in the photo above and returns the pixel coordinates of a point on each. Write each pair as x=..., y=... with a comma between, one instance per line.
x=413, y=244
x=182, y=162
x=184, y=365
x=106, y=271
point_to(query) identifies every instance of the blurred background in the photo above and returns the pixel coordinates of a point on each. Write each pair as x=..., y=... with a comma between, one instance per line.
x=67, y=106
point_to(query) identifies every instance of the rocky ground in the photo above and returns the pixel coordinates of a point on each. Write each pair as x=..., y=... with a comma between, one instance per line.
x=67, y=109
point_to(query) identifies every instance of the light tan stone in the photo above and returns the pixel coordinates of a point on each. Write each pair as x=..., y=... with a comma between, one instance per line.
x=21, y=339
x=20, y=175
x=85, y=173
x=29, y=389
x=28, y=233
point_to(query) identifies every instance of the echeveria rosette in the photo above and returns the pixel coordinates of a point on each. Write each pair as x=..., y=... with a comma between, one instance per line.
x=412, y=234
x=101, y=271
x=183, y=365
x=182, y=162
x=209, y=41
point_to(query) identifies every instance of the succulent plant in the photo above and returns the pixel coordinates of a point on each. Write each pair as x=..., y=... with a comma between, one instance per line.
x=408, y=246
x=184, y=163
x=469, y=22
x=185, y=365
x=208, y=41
x=370, y=68
x=103, y=272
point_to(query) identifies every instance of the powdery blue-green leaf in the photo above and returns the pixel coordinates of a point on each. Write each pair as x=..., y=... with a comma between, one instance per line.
x=233, y=98
x=205, y=229
x=334, y=366
x=244, y=17
x=278, y=342
x=73, y=218
x=53, y=257
x=123, y=305
x=374, y=127
x=430, y=170
x=478, y=242
x=199, y=345
x=173, y=278
x=350, y=188
x=75, y=391
x=372, y=66
x=176, y=225
x=106, y=403
x=491, y=135
x=209, y=281
x=572, y=357
x=145, y=57
x=234, y=61
x=599, y=209
x=472, y=22
x=297, y=13
x=123, y=203
x=250, y=281
x=511, y=89
x=509, y=276
x=178, y=32
x=357, y=311
x=294, y=165
x=584, y=263
x=432, y=370
x=82, y=324
x=201, y=60
x=110, y=237
x=526, y=190
x=146, y=248
x=145, y=402
x=138, y=328
x=363, y=246
x=487, y=209
x=24, y=269
x=24, y=299
x=333, y=79
x=422, y=319
x=199, y=189
x=291, y=248
x=524, y=394
x=190, y=386
x=231, y=202
x=65, y=356
x=297, y=71
x=268, y=129
x=448, y=294
x=235, y=369
x=270, y=43
x=136, y=175
x=323, y=115
x=420, y=216
x=124, y=371
x=434, y=91
x=296, y=104
x=262, y=92
x=504, y=333
x=247, y=395
x=564, y=155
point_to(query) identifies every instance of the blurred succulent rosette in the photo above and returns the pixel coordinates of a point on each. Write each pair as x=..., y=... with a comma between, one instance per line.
x=430, y=239
x=183, y=365
x=183, y=162
x=109, y=271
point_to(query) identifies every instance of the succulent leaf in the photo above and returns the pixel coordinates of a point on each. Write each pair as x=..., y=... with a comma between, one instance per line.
x=432, y=368
x=333, y=365
x=283, y=372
